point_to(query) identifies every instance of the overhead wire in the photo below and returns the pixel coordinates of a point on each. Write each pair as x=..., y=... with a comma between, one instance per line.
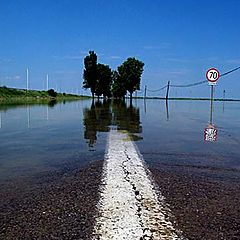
x=193, y=84
x=226, y=73
x=156, y=90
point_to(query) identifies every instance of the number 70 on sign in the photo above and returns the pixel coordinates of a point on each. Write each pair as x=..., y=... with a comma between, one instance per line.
x=212, y=75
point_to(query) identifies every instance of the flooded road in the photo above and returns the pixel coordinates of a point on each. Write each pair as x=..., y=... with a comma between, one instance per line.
x=52, y=157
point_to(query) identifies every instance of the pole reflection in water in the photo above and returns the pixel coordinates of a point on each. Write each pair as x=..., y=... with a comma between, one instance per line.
x=224, y=92
x=47, y=115
x=167, y=111
x=102, y=115
x=145, y=106
x=211, y=132
x=28, y=117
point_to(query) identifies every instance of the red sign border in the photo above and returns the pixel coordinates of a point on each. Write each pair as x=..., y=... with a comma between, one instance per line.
x=209, y=71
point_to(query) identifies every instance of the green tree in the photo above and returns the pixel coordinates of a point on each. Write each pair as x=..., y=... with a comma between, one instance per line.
x=104, y=80
x=90, y=72
x=118, y=88
x=52, y=93
x=131, y=71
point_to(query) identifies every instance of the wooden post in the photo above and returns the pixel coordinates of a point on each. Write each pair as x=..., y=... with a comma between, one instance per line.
x=223, y=99
x=145, y=92
x=168, y=85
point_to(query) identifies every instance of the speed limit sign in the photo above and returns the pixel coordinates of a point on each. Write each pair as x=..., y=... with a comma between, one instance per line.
x=212, y=75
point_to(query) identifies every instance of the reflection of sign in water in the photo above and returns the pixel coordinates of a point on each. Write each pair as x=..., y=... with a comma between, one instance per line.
x=210, y=133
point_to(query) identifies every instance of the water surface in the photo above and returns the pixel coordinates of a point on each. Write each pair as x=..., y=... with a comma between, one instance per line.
x=44, y=138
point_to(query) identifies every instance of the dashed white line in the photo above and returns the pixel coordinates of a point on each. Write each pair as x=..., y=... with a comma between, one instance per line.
x=130, y=207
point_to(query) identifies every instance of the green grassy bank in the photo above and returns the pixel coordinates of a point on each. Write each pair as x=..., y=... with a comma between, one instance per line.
x=14, y=95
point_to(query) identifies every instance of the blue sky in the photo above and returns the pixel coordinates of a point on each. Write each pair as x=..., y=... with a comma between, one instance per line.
x=177, y=41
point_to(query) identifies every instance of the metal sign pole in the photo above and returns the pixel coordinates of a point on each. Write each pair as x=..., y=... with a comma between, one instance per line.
x=211, y=110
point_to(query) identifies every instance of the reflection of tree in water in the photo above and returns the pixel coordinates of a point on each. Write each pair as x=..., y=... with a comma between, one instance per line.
x=52, y=103
x=97, y=118
x=127, y=118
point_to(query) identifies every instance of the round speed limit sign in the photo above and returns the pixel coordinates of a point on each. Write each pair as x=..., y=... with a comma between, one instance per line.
x=212, y=75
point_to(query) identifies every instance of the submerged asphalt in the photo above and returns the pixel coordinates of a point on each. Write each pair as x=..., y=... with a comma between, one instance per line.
x=63, y=206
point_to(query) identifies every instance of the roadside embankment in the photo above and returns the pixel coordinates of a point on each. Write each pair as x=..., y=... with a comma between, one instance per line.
x=13, y=95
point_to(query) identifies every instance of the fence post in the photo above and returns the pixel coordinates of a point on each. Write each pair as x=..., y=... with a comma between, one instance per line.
x=168, y=85
x=145, y=92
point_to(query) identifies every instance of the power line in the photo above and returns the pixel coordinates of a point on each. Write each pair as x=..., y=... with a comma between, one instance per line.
x=226, y=73
x=189, y=85
x=157, y=89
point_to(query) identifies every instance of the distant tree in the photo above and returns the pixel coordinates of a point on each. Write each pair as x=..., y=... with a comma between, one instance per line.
x=118, y=88
x=52, y=93
x=90, y=72
x=104, y=81
x=131, y=71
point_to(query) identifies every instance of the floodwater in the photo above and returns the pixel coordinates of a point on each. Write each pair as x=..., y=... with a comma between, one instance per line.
x=178, y=136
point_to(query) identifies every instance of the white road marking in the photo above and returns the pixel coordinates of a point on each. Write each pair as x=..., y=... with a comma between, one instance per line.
x=130, y=207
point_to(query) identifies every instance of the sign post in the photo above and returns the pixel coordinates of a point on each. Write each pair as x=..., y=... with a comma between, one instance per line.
x=212, y=76
x=210, y=133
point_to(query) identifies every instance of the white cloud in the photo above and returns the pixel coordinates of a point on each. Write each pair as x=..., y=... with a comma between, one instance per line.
x=69, y=57
x=16, y=77
x=67, y=72
x=5, y=60
x=233, y=61
x=115, y=57
x=162, y=45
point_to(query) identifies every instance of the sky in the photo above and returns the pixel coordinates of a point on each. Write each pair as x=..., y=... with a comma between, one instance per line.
x=177, y=40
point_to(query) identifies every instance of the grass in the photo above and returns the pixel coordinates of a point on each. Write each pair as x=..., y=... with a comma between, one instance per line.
x=14, y=96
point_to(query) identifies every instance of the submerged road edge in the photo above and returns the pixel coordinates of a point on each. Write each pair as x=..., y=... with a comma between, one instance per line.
x=130, y=207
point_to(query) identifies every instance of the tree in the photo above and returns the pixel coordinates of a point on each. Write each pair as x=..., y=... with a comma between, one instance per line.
x=52, y=93
x=118, y=87
x=131, y=71
x=104, y=80
x=90, y=72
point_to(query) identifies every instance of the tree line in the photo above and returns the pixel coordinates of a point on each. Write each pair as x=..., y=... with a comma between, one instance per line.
x=103, y=81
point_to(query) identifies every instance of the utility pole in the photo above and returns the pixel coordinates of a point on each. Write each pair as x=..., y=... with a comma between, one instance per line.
x=223, y=99
x=47, y=82
x=168, y=85
x=145, y=92
x=27, y=72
